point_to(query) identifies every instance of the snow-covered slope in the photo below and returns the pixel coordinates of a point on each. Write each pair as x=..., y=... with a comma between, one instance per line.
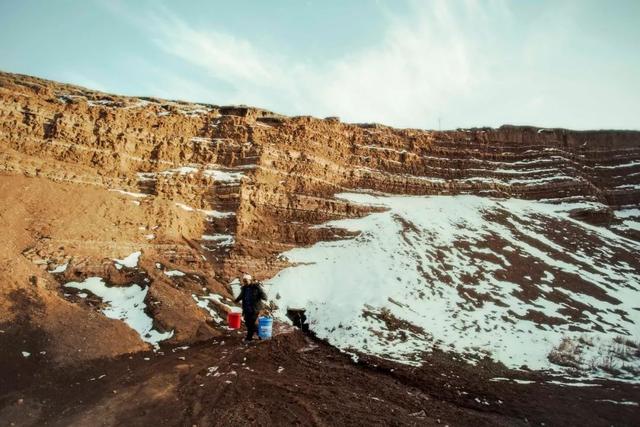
x=519, y=281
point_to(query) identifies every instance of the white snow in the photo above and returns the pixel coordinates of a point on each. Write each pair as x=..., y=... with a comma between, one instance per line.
x=220, y=239
x=514, y=177
x=223, y=176
x=533, y=181
x=130, y=261
x=126, y=304
x=627, y=213
x=624, y=165
x=195, y=111
x=516, y=171
x=100, y=102
x=217, y=214
x=185, y=207
x=26, y=354
x=430, y=179
x=183, y=170
x=628, y=187
x=633, y=225
x=235, y=287
x=520, y=182
x=220, y=300
x=208, y=213
x=67, y=97
x=129, y=193
x=60, y=269
x=630, y=219
x=515, y=380
x=146, y=176
x=417, y=260
x=140, y=103
x=204, y=302
x=619, y=402
x=174, y=273
x=573, y=384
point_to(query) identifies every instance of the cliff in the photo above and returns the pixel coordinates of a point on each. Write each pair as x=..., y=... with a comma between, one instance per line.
x=213, y=191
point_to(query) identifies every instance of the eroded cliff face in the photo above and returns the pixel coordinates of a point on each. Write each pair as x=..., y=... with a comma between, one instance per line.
x=205, y=193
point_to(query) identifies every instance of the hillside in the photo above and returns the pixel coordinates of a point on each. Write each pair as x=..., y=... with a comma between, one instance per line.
x=509, y=253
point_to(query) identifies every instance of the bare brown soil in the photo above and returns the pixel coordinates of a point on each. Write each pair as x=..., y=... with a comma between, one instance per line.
x=292, y=380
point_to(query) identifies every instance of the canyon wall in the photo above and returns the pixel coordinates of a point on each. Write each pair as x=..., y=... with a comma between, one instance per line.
x=215, y=191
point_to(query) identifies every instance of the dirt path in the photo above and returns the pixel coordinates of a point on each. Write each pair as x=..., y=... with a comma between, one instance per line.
x=290, y=380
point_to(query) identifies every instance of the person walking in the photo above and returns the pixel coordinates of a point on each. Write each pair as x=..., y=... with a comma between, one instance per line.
x=251, y=295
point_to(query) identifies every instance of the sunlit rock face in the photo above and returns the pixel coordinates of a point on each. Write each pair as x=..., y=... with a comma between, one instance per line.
x=213, y=192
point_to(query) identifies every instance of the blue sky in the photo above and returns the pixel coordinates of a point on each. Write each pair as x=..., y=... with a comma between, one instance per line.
x=551, y=63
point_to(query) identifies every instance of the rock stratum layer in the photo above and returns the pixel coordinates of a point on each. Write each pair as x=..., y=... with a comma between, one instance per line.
x=202, y=193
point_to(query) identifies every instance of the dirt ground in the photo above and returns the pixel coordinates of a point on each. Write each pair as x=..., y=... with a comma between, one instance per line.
x=292, y=380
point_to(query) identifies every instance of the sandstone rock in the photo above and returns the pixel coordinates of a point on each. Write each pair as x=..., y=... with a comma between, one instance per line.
x=225, y=190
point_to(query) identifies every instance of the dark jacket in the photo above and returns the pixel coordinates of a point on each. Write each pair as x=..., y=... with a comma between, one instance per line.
x=251, y=296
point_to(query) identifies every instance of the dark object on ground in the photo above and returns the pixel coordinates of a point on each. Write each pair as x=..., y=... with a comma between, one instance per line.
x=299, y=318
x=251, y=297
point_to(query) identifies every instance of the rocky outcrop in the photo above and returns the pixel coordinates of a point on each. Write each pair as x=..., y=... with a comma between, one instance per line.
x=215, y=191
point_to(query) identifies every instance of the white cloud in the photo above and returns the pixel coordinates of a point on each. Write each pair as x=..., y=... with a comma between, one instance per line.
x=224, y=56
x=421, y=62
x=469, y=62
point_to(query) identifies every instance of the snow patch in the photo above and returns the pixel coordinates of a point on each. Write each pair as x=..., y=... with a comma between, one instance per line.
x=126, y=304
x=208, y=213
x=223, y=176
x=619, y=402
x=422, y=261
x=130, y=261
x=174, y=273
x=60, y=269
x=204, y=302
x=185, y=207
x=129, y=193
x=220, y=239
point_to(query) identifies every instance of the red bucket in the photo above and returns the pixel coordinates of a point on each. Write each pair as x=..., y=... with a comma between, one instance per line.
x=233, y=320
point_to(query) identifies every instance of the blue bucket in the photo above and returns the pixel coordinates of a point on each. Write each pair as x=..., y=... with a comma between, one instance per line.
x=264, y=327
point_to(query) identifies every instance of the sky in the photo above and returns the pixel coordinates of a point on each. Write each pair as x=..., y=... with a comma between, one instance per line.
x=420, y=64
